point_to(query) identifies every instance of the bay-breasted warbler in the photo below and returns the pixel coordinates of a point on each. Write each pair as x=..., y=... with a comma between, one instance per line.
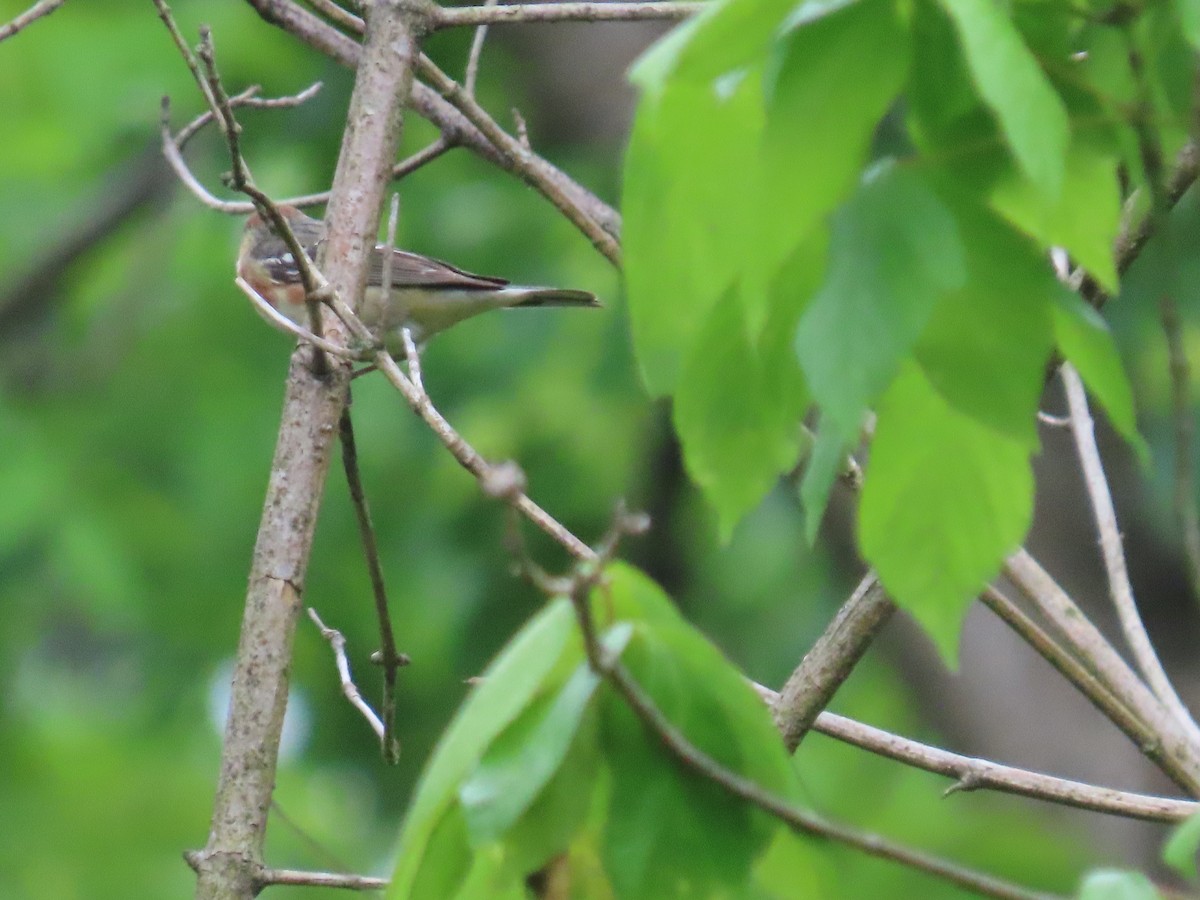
x=426, y=296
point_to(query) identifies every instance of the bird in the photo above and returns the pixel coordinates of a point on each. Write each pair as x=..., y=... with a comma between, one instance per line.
x=427, y=296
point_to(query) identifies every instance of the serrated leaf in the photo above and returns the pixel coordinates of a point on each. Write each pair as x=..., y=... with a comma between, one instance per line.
x=1084, y=339
x=1030, y=112
x=1180, y=850
x=509, y=684
x=895, y=250
x=1114, y=884
x=946, y=499
x=736, y=437
x=986, y=345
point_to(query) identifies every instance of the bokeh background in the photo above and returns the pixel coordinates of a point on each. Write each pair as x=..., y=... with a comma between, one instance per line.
x=139, y=396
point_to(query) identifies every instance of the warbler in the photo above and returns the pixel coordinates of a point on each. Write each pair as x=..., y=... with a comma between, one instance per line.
x=426, y=295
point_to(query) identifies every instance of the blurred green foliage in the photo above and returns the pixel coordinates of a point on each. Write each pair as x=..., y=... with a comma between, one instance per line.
x=139, y=397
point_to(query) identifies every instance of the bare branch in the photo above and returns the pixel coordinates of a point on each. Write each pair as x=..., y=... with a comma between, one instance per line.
x=671, y=11
x=473, y=57
x=1119, y=586
x=470, y=459
x=27, y=18
x=831, y=660
x=1095, y=689
x=972, y=773
x=337, y=14
x=528, y=165
x=454, y=126
x=322, y=879
x=389, y=658
x=337, y=643
x=263, y=876
x=311, y=411
x=1170, y=747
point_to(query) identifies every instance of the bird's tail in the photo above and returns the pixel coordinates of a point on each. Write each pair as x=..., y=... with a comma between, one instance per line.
x=536, y=296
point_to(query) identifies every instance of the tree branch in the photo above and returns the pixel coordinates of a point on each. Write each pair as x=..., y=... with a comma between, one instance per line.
x=454, y=126
x=27, y=18
x=311, y=410
x=831, y=660
x=670, y=11
x=1120, y=589
x=1169, y=746
x=972, y=773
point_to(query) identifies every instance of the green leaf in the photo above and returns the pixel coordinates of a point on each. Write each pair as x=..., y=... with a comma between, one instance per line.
x=1113, y=884
x=825, y=460
x=526, y=755
x=1030, y=112
x=1180, y=850
x=986, y=345
x=522, y=759
x=672, y=832
x=819, y=121
x=1084, y=339
x=691, y=178
x=895, y=250
x=736, y=437
x=1188, y=12
x=509, y=685
x=945, y=500
x=559, y=816
x=1084, y=218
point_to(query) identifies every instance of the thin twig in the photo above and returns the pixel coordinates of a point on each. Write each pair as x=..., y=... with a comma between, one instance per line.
x=337, y=642
x=470, y=459
x=799, y=819
x=247, y=98
x=171, y=151
x=671, y=11
x=473, y=57
x=1170, y=746
x=31, y=15
x=467, y=456
x=322, y=879
x=1185, y=426
x=277, y=320
x=1120, y=589
x=1094, y=689
x=389, y=658
x=453, y=125
x=337, y=14
x=262, y=876
x=530, y=166
x=972, y=773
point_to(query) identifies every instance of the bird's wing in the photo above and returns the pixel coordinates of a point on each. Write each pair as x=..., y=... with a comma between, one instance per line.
x=414, y=270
